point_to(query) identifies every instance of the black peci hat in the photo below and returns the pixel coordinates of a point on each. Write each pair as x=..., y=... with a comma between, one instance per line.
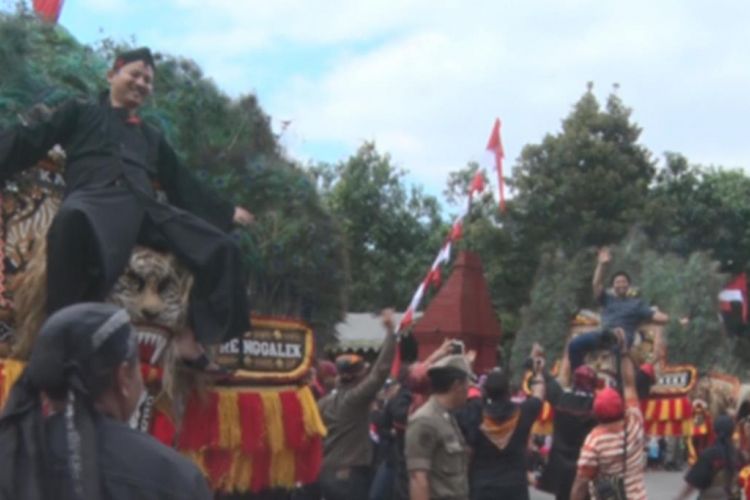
x=141, y=54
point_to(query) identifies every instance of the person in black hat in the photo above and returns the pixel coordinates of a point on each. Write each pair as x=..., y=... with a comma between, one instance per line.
x=715, y=472
x=84, y=370
x=573, y=420
x=113, y=161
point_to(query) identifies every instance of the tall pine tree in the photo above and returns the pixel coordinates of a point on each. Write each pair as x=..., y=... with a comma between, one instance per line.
x=587, y=184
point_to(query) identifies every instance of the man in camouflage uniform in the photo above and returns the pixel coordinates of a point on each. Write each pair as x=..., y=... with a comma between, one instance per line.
x=436, y=453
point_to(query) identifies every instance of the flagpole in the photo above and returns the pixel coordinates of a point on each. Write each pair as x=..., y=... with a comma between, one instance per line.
x=495, y=146
x=433, y=275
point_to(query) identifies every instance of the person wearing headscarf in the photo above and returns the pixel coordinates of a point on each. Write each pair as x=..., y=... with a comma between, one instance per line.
x=500, y=435
x=573, y=420
x=715, y=472
x=64, y=432
x=114, y=164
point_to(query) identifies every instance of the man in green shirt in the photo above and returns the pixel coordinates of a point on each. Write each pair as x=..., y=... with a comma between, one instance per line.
x=436, y=452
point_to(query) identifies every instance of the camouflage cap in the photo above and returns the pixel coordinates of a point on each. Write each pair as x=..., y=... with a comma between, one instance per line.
x=454, y=361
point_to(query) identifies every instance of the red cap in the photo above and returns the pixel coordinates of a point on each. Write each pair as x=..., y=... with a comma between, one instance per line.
x=608, y=405
x=327, y=368
x=648, y=369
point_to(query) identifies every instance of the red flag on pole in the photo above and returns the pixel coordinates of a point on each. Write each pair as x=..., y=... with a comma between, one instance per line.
x=477, y=183
x=434, y=278
x=495, y=146
x=457, y=230
x=396, y=363
x=48, y=10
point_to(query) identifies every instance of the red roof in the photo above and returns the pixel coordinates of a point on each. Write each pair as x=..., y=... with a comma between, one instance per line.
x=462, y=308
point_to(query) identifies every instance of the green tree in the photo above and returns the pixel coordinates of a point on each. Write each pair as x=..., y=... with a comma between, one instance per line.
x=392, y=232
x=587, y=184
x=696, y=208
x=680, y=286
x=42, y=64
x=294, y=252
x=555, y=297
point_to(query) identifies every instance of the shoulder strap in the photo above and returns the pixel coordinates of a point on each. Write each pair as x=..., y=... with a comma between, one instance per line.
x=618, y=360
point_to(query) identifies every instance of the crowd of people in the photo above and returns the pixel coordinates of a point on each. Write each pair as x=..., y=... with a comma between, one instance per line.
x=440, y=431
x=435, y=431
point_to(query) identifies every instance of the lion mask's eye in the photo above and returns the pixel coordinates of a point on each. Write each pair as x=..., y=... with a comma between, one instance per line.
x=165, y=284
x=136, y=280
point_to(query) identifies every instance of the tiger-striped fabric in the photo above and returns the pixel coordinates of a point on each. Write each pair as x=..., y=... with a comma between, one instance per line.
x=602, y=451
x=154, y=288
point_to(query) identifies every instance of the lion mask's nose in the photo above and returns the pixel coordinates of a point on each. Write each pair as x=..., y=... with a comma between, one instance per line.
x=149, y=314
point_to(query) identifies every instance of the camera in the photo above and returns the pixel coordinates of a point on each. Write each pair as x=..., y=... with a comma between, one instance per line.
x=457, y=347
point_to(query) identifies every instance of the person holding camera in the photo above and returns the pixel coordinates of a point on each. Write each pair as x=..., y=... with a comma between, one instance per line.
x=500, y=432
x=611, y=464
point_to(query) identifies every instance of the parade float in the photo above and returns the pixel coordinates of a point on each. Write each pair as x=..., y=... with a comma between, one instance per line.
x=254, y=432
x=681, y=403
x=668, y=410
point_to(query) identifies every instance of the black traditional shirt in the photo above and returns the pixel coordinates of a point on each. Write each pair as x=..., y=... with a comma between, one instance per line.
x=132, y=465
x=102, y=147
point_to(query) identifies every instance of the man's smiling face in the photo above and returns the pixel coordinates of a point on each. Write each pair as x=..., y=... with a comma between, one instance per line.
x=130, y=85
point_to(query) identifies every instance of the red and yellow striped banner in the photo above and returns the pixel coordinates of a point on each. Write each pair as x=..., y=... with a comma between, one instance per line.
x=249, y=439
x=667, y=416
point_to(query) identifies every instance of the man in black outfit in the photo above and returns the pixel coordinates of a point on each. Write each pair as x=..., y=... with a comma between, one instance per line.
x=113, y=162
x=64, y=428
x=573, y=420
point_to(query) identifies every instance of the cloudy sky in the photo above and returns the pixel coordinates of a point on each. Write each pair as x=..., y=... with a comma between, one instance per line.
x=425, y=79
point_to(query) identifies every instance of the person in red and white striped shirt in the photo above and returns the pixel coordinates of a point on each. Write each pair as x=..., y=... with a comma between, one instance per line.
x=603, y=449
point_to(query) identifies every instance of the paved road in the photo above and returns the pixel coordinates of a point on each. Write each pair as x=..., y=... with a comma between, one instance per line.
x=659, y=485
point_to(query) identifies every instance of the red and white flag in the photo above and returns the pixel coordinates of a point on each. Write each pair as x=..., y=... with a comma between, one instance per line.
x=733, y=304
x=495, y=147
x=477, y=184
x=416, y=299
x=457, y=231
x=444, y=256
x=434, y=275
